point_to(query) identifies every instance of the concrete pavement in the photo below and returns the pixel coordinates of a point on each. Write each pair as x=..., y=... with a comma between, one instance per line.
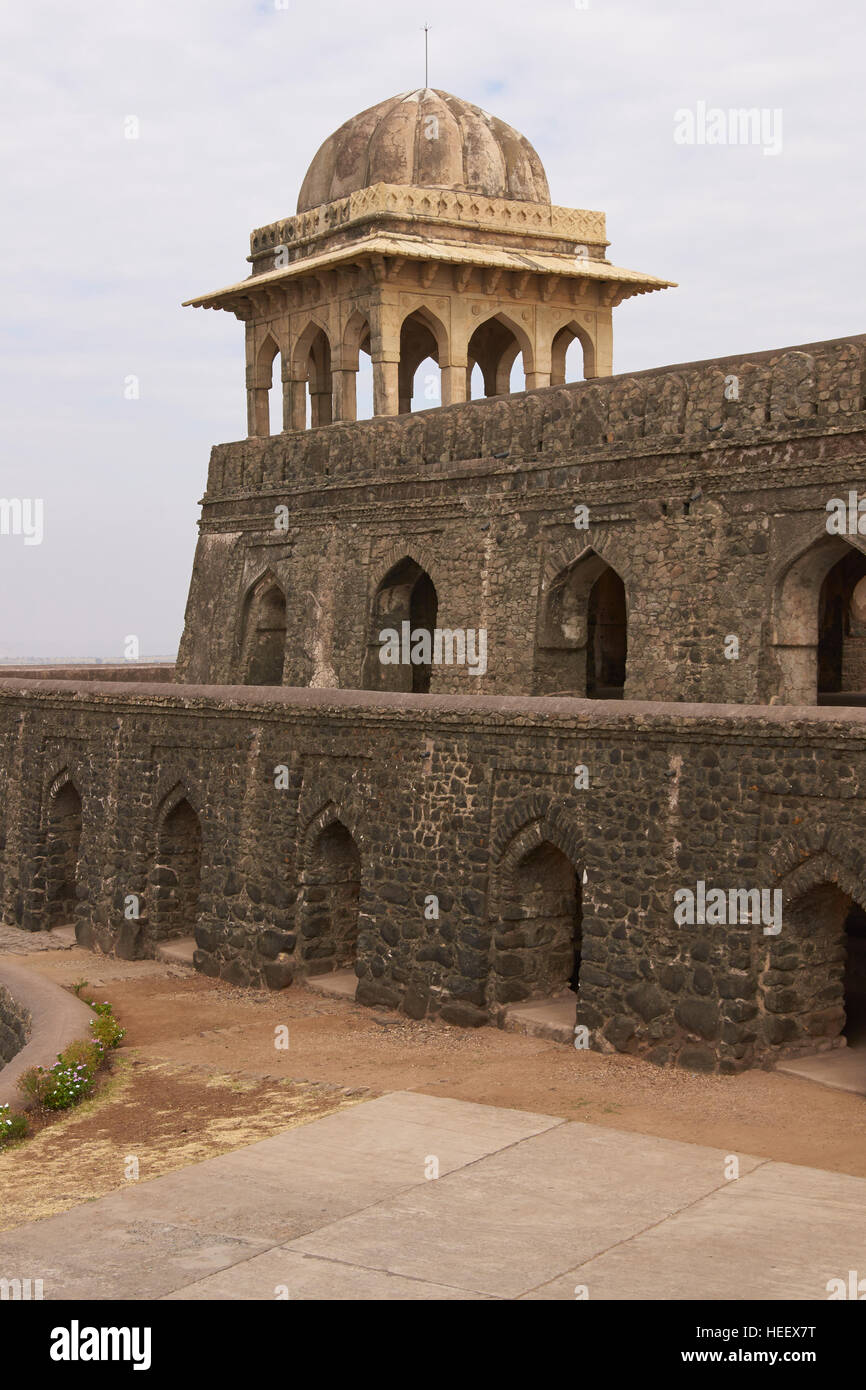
x=525, y=1206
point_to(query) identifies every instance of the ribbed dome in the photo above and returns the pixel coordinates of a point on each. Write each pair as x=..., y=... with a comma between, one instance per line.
x=428, y=139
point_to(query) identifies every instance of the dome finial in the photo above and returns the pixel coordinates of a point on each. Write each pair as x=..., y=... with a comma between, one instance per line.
x=426, y=56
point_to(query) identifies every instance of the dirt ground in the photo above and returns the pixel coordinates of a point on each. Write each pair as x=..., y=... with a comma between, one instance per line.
x=198, y=1073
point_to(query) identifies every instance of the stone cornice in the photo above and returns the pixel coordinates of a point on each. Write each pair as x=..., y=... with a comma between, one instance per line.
x=465, y=210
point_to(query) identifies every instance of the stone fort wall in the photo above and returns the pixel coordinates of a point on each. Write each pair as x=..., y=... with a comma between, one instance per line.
x=298, y=830
x=704, y=484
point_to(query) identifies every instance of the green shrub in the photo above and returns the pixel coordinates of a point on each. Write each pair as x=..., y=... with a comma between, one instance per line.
x=12, y=1126
x=73, y=1076
x=89, y=1052
x=106, y=1031
x=59, y=1087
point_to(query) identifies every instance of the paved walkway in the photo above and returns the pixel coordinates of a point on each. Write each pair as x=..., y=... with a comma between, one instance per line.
x=525, y=1206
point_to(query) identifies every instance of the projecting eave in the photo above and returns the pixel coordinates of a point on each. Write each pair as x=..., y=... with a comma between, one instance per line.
x=447, y=252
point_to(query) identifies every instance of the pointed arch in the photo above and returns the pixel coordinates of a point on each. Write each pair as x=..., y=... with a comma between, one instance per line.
x=263, y=631
x=806, y=621
x=174, y=881
x=175, y=790
x=436, y=328
x=423, y=338
x=405, y=594
x=567, y=334
x=582, y=640
x=537, y=911
x=329, y=881
x=812, y=973
x=356, y=338
x=355, y=392
x=62, y=842
x=311, y=374
x=267, y=408
x=493, y=346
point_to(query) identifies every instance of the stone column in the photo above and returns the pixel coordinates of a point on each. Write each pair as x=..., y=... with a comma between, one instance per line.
x=604, y=343
x=386, y=398
x=455, y=380
x=297, y=404
x=345, y=405
x=534, y=380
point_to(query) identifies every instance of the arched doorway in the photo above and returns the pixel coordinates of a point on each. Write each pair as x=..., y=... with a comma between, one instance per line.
x=539, y=946
x=606, y=637
x=818, y=628
x=63, y=844
x=813, y=985
x=842, y=632
x=264, y=641
x=492, y=356
x=328, y=902
x=176, y=874
x=406, y=596
x=582, y=646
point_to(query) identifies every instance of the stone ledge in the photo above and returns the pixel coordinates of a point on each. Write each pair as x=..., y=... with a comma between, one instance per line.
x=522, y=710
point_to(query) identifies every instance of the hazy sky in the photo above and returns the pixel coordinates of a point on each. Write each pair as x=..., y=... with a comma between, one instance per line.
x=102, y=237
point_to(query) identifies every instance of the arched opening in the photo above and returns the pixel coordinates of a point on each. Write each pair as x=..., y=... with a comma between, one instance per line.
x=427, y=386
x=606, y=638
x=842, y=632
x=405, y=609
x=268, y=407
x=63, y=844
x=572, y=356
x=818, y=633
x=539, y=947
x=264, y=641
x=328, y=902
x=319, y=406
x=176, y=876
x=495, y=358
x=357, y=389
x=419, y=379
x=813, y=986
x=582, y=645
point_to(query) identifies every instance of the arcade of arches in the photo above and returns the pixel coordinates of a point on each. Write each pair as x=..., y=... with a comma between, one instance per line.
x=318, y=378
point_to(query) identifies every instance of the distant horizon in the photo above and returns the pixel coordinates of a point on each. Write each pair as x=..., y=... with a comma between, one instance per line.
x=85, y=661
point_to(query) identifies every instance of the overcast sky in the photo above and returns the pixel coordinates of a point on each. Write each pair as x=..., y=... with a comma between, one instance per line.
x=102, y=237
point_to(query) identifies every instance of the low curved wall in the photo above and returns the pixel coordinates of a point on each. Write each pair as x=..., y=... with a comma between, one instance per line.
x=15, y=1025
x=56, y=1018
